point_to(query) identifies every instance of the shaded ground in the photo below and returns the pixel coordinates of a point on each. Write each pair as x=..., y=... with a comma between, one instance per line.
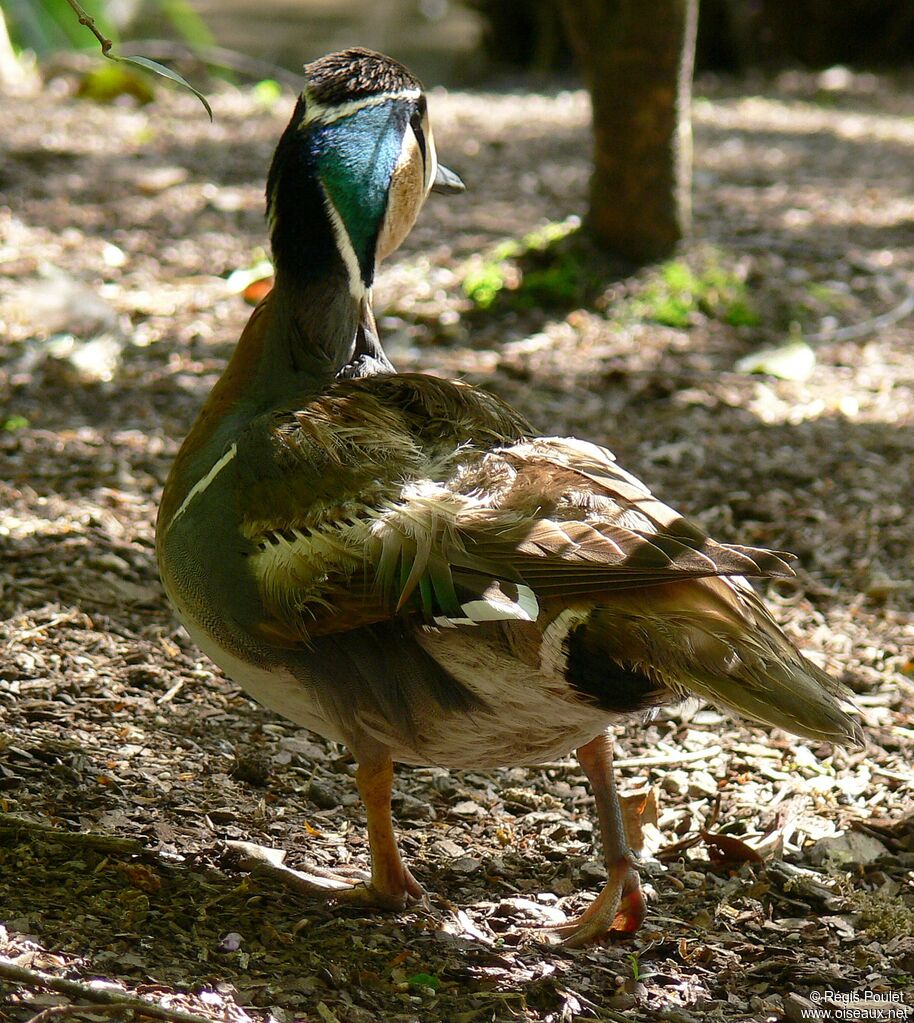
x=114, y=726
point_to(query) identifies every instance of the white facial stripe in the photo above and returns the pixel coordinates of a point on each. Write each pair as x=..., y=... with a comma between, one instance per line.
x=315, y=111
x=431, y=159
x=344, y=244
x=202, y=484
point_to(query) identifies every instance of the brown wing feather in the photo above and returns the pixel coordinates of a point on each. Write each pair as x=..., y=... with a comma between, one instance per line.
x=430, y=505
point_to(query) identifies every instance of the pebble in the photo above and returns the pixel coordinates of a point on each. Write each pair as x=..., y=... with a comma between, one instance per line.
x=446, y=848
x=324, y=796
x=409, y=808
x=526, y=910
x=592, y=872
x=465, y=865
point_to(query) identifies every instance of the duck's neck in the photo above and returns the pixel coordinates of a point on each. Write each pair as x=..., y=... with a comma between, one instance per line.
x=320, y=289
x=311, y=334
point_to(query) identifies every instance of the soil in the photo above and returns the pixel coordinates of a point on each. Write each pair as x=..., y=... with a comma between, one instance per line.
x=779, y=872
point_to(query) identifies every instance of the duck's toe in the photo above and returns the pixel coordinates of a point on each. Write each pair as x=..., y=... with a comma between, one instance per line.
x=392, y=897
x=619, y=910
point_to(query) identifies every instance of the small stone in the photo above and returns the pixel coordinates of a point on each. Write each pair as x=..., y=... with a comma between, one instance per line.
x=231, y=942
x=160, y=179
x=563, y=886
x=444, y=784
x=622, y=1001
x=676, y=783
x=409, y=808
x=701, y=783
x=848, y=847
x=593, y=872
x=252, y=766
x=467, y=808
x=445, y=848
x=325, y=797
x=527, y=911
x=797, y=1008
x=465, y=865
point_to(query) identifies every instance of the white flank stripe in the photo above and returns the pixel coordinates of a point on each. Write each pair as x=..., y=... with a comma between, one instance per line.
x=328, y=114
x=201, y=485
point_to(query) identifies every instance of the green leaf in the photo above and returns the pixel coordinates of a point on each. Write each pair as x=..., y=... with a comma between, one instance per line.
x=166, y=72
x=424, y=980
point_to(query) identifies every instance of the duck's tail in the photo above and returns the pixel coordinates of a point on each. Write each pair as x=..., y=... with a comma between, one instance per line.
x=715, y=639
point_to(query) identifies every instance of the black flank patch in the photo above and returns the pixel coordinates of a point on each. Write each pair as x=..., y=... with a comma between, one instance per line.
x=593, y=673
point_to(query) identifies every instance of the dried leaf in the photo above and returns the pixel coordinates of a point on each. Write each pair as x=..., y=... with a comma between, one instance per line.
x=792, y=361
x=727, y=849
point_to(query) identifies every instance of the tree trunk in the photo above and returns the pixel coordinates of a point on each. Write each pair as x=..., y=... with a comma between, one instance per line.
x=636, y=58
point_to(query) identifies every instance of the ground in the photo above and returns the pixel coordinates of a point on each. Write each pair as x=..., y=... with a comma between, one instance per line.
x=778, y=871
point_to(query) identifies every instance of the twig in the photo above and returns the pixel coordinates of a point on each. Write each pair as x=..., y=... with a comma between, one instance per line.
x=894, y=775
x=86, y=992
x=266, y=865
x=89, y=23
x=857, y=331
x=660, y=760
x=139, y=61
x=53, y=1012
x=11, y=824
x=37, y=630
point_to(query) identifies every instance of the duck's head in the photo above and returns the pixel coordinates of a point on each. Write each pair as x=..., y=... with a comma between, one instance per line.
x=352, y=169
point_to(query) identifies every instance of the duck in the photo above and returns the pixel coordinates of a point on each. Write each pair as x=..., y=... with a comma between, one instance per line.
x=402, y=564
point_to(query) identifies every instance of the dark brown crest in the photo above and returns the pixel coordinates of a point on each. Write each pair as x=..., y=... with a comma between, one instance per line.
x=356, y=73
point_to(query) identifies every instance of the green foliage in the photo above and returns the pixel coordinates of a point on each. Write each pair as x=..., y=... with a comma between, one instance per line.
x=45, y=26
x=186, y=22
x=166, y=72
x=636, y=966
x=109, y=80
x=544, y=268
x=483, y=284
x=676, y=293
x=13, y=423
x=267, y=92
x=424, y=980
x=552, y=267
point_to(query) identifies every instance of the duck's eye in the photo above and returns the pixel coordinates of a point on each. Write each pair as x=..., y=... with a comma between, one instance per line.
x=415, y=122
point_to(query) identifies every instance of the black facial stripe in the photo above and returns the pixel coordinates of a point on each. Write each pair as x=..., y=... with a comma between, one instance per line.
x=416, y=124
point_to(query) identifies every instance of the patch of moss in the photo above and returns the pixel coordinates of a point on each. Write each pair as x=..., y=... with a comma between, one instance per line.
x=676, y=292
x=547, y=267
x=884, y=915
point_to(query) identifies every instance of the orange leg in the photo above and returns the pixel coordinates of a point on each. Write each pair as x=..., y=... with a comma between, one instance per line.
x=392, y=886
x=620, y=905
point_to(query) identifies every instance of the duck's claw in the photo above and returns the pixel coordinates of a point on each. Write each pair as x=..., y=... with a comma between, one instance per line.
x=619, y=909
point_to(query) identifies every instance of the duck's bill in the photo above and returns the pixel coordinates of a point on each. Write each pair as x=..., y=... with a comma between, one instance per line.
x=447, y=182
